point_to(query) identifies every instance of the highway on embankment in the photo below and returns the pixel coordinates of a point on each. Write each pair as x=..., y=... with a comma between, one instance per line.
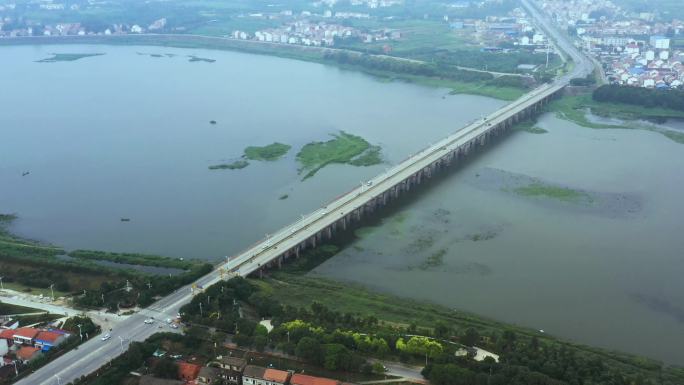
x=96, y=353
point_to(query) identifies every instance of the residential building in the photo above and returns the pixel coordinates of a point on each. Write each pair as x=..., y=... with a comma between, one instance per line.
x=28, y=353
x=49, y=339
x=209, y=376
x=233, y=367
x=256, y=375
x=187, y=371
x=25, y=336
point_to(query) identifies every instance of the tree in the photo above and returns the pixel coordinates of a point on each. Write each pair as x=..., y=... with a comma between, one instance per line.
x=337, y=357
x=260, y=343
x=165, y=368
x=470, y=337
x=309, y=349
x=442, y=330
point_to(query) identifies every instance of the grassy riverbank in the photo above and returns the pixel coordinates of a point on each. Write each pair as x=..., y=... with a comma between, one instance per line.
x=293, y=286
x=32, y=267
x=459, y=81
x=576, y=108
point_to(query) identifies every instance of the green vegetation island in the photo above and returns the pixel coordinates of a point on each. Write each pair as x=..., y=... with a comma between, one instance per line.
x=58, y=57
x=270, y=152
x=343, y=148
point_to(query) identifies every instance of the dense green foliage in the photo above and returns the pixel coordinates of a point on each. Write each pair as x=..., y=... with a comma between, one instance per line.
x=672, y=99
x=132, y=259
x=272, y=151
x=589, y=80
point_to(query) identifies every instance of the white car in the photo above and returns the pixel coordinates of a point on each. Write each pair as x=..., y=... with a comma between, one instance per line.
x=149, y=321
x=106, y=337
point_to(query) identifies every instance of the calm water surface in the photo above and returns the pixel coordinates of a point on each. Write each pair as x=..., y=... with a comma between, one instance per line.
x=607, y=276
x=128, y=135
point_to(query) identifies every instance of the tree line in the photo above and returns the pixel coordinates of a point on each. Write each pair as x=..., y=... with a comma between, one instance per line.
x=672, y=99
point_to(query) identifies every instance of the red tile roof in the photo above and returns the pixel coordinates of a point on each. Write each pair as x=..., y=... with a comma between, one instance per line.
x=7, y=334
x=303, y=379
x=26, y=332
x=188, y=371
x=26, y=352
x=276, y=375
x=48, y=336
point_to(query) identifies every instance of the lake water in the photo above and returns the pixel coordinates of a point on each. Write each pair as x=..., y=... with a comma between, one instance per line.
x=607, y=273
x=128, y=135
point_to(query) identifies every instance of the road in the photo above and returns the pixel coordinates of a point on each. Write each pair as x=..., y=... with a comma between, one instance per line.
x=95, y=353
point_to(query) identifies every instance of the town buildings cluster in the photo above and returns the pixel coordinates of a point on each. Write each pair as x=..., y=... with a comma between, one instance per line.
x=21, y=345
x=235, y=371
x=635, y=49
x=313, y=33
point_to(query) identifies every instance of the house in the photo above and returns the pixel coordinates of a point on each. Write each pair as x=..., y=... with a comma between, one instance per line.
x=28, y=353
x=233, y=367
x=25, y=336
x=149, y=380
x=256, y=375
x=303, y=379
x=49, y=339
x=188, y=371
x=209, y=376
x=7, y=334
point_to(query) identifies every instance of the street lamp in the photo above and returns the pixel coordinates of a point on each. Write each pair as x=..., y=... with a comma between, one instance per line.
x=52, y=291
x=121, y=342
x=79, y=331
x=1, y=287
x=59, y=380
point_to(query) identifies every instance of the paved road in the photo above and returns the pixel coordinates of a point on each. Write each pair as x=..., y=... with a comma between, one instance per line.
x=95, y=353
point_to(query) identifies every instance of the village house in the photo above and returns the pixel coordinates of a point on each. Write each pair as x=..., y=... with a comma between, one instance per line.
x=49, y=339
x=256, y=375
x=25, y=336
x=27, y=354
x=233, y=367
x=209, y=376
x=187, y=371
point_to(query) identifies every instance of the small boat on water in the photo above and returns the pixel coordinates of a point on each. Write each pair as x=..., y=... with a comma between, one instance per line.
x=125, y=219
x=25, y=173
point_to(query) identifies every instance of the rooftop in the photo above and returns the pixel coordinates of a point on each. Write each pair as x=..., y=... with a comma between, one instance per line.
x=276, y=375
x=303, y=379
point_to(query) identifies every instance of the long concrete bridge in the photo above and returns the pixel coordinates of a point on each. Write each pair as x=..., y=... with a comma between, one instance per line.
x=322, y=224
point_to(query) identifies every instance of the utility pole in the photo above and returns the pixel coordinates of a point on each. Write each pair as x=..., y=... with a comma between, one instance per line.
x=201, y=309
x=80, y=333
x=121, y=342
x=52, y=291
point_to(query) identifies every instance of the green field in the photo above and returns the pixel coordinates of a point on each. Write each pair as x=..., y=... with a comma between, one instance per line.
x=8, y=309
